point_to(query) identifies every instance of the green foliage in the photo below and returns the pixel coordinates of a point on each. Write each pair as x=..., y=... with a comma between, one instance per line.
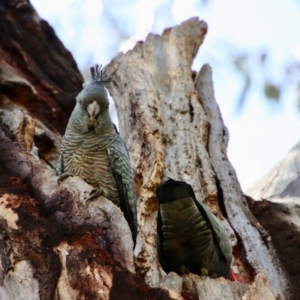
x=272, y=91
x=257, y=68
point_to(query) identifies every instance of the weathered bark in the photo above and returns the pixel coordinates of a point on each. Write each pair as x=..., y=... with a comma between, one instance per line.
x=175, y=129
x=278, y=211
x=54, y=245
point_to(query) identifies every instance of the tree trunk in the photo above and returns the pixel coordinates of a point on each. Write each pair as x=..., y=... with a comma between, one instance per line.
x=56, y=246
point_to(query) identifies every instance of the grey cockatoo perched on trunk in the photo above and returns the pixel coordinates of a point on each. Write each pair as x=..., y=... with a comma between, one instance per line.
x=93, y=150
x=190, y=237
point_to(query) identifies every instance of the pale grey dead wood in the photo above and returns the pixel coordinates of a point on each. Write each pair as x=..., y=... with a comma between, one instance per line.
x=260, y=258
x=151, y=87
x=173, y=128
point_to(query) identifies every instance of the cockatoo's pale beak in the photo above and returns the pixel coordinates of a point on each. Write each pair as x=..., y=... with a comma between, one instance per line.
x=93, y=111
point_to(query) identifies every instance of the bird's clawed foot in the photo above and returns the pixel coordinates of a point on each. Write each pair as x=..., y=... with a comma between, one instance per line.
x=95, y=193
x=62, y=177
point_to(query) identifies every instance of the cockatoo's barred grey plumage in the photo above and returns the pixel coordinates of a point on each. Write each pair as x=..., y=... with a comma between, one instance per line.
x=190, y=237
x=92, y=149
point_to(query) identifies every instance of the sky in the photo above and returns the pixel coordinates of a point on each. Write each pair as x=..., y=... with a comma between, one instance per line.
x=263, y=132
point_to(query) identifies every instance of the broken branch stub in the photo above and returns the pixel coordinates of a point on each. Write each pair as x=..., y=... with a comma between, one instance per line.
x=172, y=126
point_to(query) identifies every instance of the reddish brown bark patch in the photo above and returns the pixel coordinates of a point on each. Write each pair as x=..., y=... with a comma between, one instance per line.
x=30, y=49
x=131, y=287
